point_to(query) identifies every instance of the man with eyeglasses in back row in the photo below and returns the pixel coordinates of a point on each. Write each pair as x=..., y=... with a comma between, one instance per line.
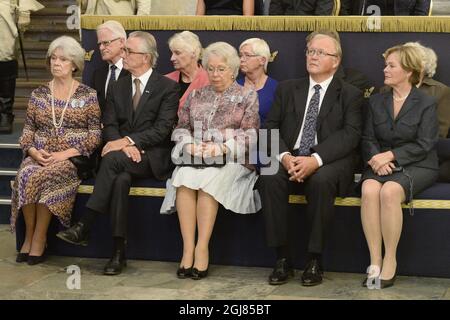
x=111, y=37
x=319, y=122
x=140, y=114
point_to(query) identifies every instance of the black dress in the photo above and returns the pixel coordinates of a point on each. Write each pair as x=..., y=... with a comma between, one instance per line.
x=412, y=137
x=223, y=7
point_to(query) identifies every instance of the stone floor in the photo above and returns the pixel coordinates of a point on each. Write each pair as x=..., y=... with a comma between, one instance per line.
x=157, y=280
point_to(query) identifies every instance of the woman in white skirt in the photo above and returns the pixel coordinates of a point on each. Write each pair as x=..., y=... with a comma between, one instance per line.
x=218, y=122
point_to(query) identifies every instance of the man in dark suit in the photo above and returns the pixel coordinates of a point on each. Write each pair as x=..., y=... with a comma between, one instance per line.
x=140, y=114
x=111, y=37
x=301, y=7
x=319, y=124
x=387, y=7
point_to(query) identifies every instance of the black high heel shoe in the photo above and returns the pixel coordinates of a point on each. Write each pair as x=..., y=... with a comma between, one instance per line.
x=183, y=273
x=32, y=260
x=387, y=283
x=198, y=275
x=22, y=257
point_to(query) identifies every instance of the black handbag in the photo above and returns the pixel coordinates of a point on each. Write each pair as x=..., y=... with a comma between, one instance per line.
x=85, y=166
x=200, y=162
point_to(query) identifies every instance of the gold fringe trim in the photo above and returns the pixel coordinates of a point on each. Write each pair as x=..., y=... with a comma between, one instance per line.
x=356, y=202
x=135, y=191
x=439, y=24
x=293, y=199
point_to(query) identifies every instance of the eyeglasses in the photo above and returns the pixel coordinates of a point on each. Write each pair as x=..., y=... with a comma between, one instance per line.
x=219, y=70
x=245, y=56
x=128, y=51
x=107, y=43
x=320, y=53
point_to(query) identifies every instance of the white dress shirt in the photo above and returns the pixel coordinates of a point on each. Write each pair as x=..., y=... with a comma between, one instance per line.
x=144, y=79
x=324, y=86
x=119, y=65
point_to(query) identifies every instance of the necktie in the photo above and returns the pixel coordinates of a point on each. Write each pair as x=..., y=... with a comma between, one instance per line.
x=137, y=94
x=113, y=73
x=309, y=127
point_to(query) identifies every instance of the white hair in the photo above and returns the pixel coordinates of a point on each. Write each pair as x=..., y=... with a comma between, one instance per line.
x=115, y=27
x=71, y=50
x=259, y=47
x=186, y=41
x=225, y=51
x=429, y=58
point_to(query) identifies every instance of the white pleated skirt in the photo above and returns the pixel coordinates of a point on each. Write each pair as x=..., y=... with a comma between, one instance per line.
x=231, y=185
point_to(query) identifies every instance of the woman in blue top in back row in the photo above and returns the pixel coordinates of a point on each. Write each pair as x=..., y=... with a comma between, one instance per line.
x=255, y=55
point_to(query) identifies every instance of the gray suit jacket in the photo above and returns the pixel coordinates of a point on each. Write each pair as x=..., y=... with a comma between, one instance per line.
x=412, y=136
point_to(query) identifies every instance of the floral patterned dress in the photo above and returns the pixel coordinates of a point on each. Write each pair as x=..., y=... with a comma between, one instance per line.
x=56, y=185
x=233, y=114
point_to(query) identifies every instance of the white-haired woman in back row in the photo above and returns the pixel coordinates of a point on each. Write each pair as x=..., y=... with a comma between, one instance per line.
x=254, y=54
x=433, y=87
x=186, y=54
x=63, y=121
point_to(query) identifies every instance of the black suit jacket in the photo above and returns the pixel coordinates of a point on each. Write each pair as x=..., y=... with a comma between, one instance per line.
x=401, y=7
x=339, y=123
x=301, y=7
x=150, y=127
x=412, y=136
x=99, y=82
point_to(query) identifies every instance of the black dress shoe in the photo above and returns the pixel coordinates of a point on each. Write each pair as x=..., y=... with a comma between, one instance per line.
x=312, y=275
x=77, y=234
x=22, y=257
x=198, y=275
x=281, y=272
x=32, y=260
x=183, y=273
x=116, y=264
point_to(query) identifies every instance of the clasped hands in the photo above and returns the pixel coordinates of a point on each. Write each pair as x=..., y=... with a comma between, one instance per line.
x=299, y=168
x=205, y=149
x=382, y=163
x=124, y=145
x=45, y=158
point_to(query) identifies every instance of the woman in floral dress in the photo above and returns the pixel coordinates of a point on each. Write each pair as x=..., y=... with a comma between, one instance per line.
x=63, y=121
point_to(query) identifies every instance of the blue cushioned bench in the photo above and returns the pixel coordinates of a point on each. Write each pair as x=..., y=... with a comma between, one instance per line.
x=424, y=248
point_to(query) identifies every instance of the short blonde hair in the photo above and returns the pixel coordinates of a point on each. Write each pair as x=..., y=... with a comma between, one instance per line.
x=259, y=47
x=410, y=60
x=148, y=44
x=71, y=49
x=186, y=41
x=330, y=34
x=429, y=58
x=115, y=27
x=225, y=51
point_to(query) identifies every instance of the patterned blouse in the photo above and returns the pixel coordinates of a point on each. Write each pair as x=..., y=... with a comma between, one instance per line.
x=232, y=113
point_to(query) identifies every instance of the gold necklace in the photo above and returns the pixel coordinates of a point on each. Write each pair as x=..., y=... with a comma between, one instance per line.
x=57, y=124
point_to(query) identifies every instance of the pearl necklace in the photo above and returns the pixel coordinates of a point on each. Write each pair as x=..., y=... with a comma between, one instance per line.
x=57, y=124
x=400, y=99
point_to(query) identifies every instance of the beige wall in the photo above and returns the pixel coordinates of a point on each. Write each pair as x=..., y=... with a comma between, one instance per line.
x=173, y=7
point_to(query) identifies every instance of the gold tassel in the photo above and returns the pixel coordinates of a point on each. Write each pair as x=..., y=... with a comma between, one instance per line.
x=439, y=24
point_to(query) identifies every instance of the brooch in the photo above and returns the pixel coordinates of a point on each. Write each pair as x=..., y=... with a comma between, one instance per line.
x=77, y=103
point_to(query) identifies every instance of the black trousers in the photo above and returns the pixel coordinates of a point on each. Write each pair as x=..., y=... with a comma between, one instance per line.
x=8, y=75
x=112, y=186
x=320, y=191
